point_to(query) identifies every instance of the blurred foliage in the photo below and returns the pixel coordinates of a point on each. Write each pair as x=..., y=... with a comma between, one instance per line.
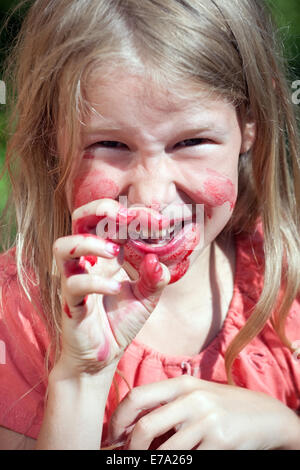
x=287, y=16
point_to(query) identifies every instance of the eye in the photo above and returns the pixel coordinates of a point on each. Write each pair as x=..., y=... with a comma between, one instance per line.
x=111, y=144
x=192, y=142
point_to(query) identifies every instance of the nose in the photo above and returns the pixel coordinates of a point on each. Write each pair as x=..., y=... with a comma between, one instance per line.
x=151, y=183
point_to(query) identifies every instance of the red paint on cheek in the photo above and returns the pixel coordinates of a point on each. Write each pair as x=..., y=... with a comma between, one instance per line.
x=218, y=194
x=217, y=190
x=92, y=185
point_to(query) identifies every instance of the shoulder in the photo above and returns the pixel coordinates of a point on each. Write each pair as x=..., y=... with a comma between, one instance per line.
x=20, y=310
x=12, y=296
x=21, y=313
x=22, y=325
x=9, y=289
x=8, y=267
x=25, y=341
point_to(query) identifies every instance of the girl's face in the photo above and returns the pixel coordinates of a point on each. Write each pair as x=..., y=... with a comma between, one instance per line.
x=175, y=154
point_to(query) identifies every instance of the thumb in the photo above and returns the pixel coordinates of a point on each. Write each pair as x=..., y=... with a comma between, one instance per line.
x=154, y=277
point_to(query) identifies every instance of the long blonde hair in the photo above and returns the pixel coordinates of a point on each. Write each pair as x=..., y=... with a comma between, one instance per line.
x=229, y=45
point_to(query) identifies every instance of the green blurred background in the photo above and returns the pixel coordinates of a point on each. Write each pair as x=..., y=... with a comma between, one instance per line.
x=287, y=14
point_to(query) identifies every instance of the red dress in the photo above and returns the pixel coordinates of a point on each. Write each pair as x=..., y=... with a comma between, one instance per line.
x=264, y=365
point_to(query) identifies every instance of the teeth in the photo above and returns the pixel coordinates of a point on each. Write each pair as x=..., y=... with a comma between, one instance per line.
x=160, y=234
x=164, y=233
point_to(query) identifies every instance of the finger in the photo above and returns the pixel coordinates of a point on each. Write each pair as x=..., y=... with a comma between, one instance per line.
x=149, y=219
x=77, y=287
x=85, y=219
x=187, y=438
x=68, y=251
x=154, y=277
x=147, y=397
x=157, y=423
x=106, y=206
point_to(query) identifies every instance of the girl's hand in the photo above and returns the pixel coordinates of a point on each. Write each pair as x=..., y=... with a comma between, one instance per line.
x=203, y=415
x=103, y=310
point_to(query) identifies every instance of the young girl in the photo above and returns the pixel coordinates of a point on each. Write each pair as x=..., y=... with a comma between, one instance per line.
x=174, y=116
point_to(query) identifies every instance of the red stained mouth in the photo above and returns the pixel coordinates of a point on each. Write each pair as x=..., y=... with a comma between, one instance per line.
x=162, y=246
x=147, y=237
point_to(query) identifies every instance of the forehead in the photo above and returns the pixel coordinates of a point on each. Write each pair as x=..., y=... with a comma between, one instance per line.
x=121, y=90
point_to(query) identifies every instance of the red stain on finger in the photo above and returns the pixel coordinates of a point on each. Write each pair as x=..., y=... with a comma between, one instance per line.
x=73, y=250
x=74, y=267
x=150, y=272
x=86, y=226
x=91, y=259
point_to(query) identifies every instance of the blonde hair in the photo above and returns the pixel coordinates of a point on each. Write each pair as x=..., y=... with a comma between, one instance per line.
x=229, y=45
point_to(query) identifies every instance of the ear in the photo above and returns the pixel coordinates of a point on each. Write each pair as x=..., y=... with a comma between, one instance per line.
x=248, y=136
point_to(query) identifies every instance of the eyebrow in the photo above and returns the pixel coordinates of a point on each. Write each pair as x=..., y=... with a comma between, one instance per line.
x=95, y=130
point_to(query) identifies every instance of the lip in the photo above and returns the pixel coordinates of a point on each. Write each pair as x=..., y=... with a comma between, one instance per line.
x=168, y=247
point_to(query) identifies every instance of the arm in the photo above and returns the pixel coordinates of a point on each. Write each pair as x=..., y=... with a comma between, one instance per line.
x=99, y=320
x=75, y=410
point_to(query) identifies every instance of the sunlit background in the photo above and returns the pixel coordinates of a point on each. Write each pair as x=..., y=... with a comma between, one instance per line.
x=287, y=14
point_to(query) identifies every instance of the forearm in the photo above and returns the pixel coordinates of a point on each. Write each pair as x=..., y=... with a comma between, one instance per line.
x=74, y=412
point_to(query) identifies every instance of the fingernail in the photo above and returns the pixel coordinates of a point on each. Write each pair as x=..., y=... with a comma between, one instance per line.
x=157, y=267
x=112, y=248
